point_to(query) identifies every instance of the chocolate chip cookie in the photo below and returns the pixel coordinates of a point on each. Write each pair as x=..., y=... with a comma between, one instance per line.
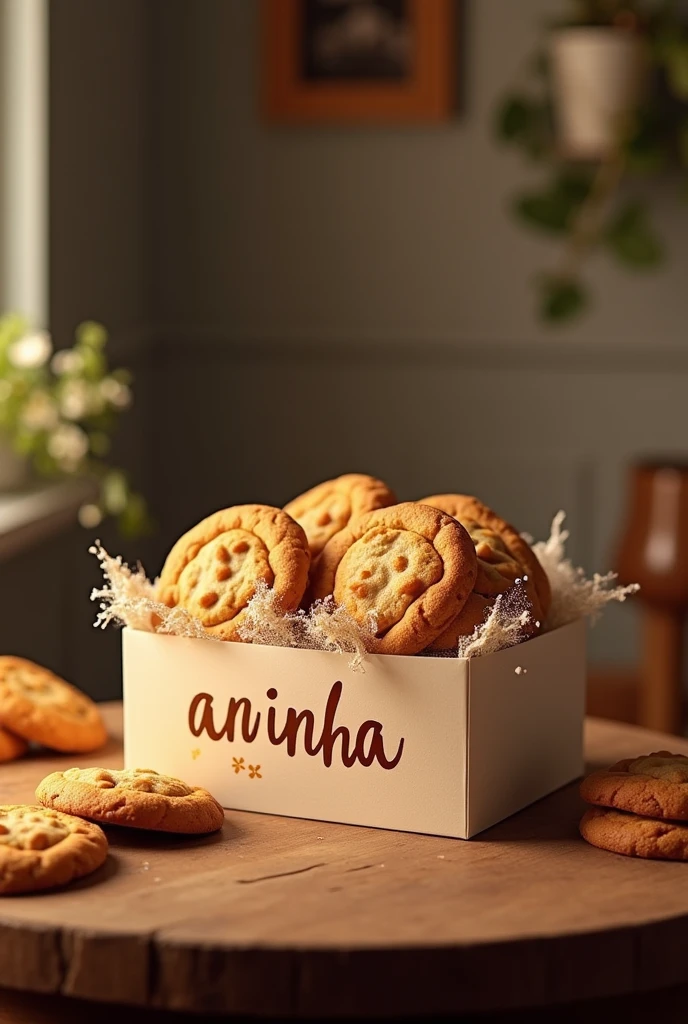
x=214, y=569
x=408, y=569
x=136, y=797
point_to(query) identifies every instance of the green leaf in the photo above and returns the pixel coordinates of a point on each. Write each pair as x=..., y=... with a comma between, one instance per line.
x=134, y=519
x=99, y=443
x=645, y=157
x=676, y=62
x=553, y=209
x=545, y=212
x=514, y=118
x=91, y=335
x=12, y=327
x=45, y=465
x=573, y=185
x=115, y=492
x=561, y=299
x=123, y=376
x=525, y=122
x=25, y=442
x=94, y=365
x=632, y=239
x=683, y=143
x=662, y=40
x=23, y=385
x=646, y=149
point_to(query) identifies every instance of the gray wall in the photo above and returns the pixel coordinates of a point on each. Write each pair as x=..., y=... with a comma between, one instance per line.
x=342, y=234
x=99, y=159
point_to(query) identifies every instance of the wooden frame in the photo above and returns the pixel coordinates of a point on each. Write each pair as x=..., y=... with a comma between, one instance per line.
x=426, y=94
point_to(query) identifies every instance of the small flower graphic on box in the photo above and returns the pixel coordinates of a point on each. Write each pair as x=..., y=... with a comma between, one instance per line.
x=254, y=771
x=195, y=753
x=238, y=765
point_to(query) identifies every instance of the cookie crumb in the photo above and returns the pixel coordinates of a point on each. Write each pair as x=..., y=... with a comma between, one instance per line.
x=520, y=670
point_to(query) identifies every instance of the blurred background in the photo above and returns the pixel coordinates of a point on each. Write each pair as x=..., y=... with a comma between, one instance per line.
x=344, y=236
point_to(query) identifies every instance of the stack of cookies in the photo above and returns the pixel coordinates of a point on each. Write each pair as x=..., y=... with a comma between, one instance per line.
x=49, y=845
x=424, y=572
x=37, y=706
x=60, y=839
x=640, y=807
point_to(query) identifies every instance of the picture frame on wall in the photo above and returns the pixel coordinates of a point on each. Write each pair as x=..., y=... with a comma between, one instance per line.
x=357, y=61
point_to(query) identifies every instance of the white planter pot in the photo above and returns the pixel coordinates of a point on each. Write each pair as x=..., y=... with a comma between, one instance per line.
x=14, y=471
x=598, y=75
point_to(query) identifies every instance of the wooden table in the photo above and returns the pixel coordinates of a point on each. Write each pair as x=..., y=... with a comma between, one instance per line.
x=301, y=918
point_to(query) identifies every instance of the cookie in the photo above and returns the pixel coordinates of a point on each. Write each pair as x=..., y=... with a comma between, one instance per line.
x=135, y=797
x=41, y=848
x=473, y=613
x=40, y=707
x=213, y=570
x=503, y=555
x=633, y=836
x=655, y=785
x=11, y=746
x=410, y=566
x=326, y=509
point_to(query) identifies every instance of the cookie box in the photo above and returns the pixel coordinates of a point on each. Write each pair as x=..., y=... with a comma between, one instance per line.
x=436, y=745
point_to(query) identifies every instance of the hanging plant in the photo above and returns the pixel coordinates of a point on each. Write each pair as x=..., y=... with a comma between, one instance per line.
x=59, y=410
x=604, y=104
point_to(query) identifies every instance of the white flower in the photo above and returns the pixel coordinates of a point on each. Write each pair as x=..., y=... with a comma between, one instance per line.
x=90, y=516
x=40, y=412
x=31, y=351
x=115, y=393
x=68, y=445
x=66, y=361
x=74, y=401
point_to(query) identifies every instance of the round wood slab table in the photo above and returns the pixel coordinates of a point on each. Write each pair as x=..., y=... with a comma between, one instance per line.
x=302, y=919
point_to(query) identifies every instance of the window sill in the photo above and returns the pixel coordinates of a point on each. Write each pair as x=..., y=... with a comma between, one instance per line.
x=29, y=517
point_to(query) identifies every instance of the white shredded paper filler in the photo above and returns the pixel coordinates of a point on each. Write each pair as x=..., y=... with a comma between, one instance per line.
x=129, y=598
x=324, y=627
x=574, y=596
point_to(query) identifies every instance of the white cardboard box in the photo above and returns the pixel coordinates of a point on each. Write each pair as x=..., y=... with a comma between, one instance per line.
x=437, y=745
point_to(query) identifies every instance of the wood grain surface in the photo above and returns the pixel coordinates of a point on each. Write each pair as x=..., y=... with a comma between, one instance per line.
x=302, y=918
